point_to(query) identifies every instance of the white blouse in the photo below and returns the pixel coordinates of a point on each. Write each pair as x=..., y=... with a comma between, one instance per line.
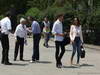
x=76, y=31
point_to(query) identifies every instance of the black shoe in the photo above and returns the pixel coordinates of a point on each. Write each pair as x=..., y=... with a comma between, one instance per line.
x=60, y=63
x=58, y=66
x=47, y=46
x=14, y=59
x=2, y=62
x=22, y=60
x=8, y=63
x=44, y=45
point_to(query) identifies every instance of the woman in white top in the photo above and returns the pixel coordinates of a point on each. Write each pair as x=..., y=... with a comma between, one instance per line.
x=76, y=38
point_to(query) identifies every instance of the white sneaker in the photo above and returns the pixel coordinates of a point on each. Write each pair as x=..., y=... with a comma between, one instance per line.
x=32, y=61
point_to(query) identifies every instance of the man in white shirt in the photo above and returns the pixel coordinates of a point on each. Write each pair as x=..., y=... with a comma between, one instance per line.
x=20, y=34
x=5, y=30
x=59, y=36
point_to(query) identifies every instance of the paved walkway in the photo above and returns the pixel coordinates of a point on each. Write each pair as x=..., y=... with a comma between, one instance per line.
x=89, y=66
x=94, y=47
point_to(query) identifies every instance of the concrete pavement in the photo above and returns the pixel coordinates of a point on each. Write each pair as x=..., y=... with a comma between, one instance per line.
x=89, y=66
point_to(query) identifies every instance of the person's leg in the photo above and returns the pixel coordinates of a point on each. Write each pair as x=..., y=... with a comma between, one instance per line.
x=5, y=52
x=3, y=56
x=37, y=46
x=74, y=51
x=17, y=43
x=57, y=44
x=47, y=40
x=7, y=49
x=44, y=39
x=21, y=48
x=62, y=52
x=34, y=47
x=3, y=48
x=78, y=50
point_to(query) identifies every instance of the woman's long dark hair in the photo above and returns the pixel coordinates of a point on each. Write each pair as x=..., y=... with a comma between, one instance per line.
x=78, y=23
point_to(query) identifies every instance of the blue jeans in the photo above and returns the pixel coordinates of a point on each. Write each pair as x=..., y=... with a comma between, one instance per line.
x=46, y=40
x=76, y=47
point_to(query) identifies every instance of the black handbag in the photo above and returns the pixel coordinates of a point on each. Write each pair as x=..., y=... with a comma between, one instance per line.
x=66, y=40
x=83, y=53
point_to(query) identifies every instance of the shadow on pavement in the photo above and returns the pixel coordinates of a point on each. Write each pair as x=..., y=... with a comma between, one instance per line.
x=86, y=65
x=70, y=67
x=17, y=64
x=83, y=65
x=68, y=50
x=51, y=46
x=45, y=62
x=24, y=60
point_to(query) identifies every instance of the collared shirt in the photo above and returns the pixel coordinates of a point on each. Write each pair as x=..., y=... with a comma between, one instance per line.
x=36, y=28
x=5, y=24
x=21, y=31
x=58, y=29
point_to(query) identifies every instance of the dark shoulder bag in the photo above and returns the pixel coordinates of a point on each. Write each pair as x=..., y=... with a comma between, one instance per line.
x=83, y=52
x=66, y=40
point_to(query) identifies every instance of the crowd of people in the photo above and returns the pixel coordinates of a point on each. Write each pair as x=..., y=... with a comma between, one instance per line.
x=75, y=35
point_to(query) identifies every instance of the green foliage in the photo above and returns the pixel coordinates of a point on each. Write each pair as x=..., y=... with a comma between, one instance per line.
x=40, y=4
x=51, y=12
x=88, y=12
x=33, y=12
x=20, y=16
x=1, y=17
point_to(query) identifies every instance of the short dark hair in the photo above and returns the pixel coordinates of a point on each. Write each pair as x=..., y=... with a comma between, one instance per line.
x=60, y=15
x=46, y=17
x=8, y=14
x=31, y=18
